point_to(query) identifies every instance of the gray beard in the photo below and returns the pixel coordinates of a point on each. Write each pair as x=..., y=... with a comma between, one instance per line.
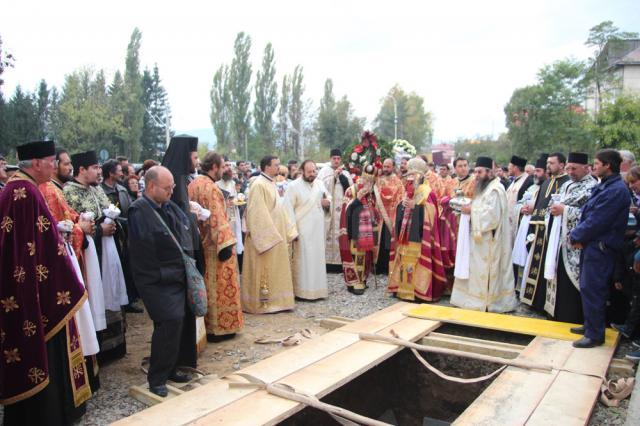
x=481, y=185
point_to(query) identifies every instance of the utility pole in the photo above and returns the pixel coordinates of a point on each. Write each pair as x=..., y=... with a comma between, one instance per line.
x=395, y=116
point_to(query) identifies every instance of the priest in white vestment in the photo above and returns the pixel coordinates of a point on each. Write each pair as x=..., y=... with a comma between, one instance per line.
x=305, y=199
x=490, y=282
x=337, y=181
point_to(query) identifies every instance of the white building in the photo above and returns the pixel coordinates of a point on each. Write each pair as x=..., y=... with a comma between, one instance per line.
x=620, y=59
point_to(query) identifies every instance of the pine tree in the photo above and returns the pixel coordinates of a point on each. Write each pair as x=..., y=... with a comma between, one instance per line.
x=221, y=109
x=22, y=119
x=44, y=112
x=266, y=99
x=239, y=79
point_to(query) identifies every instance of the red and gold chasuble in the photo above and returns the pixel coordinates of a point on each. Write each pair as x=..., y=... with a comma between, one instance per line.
x=416, y=270
x=224, y=314
x=389, y=192
x=60, y=210
x=39, y=294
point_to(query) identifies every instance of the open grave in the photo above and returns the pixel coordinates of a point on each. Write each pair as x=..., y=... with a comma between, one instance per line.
x=387, y=383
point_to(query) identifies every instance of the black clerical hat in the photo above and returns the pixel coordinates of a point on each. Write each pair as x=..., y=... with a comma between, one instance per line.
x=335, y=152
x=84, y=159
x=541, y=163
x=38, y=149
x=484, y=162
x=518, y=161
x=578, y=157
x=191, y=140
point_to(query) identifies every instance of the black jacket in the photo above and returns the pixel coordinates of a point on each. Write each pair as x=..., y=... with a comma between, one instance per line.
x=156, y=261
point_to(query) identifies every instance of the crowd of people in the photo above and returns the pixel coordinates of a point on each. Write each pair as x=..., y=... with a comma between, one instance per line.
x=83, y=244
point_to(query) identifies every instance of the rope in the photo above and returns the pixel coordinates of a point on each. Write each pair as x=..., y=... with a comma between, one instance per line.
x=282, y=390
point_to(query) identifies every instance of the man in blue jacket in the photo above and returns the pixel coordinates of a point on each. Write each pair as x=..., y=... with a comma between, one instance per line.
x=600, y=234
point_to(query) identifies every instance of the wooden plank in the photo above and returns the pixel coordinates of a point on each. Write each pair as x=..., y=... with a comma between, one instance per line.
x=476, y=346
x=142, y=394
x=568, y=401
x=332, y=324
x=207, y=398
x=503, y=322
x=514, y=395
x=572, y=396
x=317, y=379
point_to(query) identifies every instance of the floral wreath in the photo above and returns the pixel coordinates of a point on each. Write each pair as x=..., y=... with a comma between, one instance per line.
x=401, y=146
x=365, y=157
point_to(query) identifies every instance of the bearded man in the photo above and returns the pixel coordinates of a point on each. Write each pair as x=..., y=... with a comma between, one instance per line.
x=389, y=192
x=417, y=271
x=535, y=288
x=305, y=199
x=227, y=184
x=337, y=181
x=523, y=210
x=490, y=286
x=84, y=194
x=562, y=266
x=224, y=315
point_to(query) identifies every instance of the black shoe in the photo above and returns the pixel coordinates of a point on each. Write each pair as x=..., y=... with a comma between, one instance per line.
x=133, y=309
x=577, y=330
x=585, y=342
x=159, y=390
x=180, y=377
x=213, y=338
x=358, y=291
x=350, y=289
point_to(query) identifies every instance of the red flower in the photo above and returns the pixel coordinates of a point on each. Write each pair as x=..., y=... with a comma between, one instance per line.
x=358, y=149
x=365, y=143
x=378, y=164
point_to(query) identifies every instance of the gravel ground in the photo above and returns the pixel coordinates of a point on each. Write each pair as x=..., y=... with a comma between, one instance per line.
x=112, y=401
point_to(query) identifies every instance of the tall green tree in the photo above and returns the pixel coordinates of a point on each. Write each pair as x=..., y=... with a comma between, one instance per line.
x=598, y=72
x=617, y=124
x=549, y=115
x=43, y=104
x=239, y=80
x=134, y=112
x=156, y=116
x=83, y=118
x=283, y=114
x=296, y=109
x=337, y=126
x=117, y=111
x=266, y=99
x=22, y=119
x=414, y=123
x=327, y=120
x=221, y=109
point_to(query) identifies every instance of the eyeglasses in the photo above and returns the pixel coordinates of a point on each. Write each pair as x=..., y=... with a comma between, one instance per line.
x=168, y=189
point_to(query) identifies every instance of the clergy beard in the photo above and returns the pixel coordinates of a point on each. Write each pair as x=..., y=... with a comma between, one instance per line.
x=309, y=179
x=481, y=184
x=387, y=172
x=537, y=180
x=226, y=176
x=63, y=179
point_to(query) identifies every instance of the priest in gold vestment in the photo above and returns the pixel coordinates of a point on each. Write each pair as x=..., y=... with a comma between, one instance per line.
x=266, y=270
x=224, y=314
x=488, y=284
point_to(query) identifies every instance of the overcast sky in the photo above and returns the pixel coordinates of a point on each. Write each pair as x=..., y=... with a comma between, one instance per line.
x=464, y=58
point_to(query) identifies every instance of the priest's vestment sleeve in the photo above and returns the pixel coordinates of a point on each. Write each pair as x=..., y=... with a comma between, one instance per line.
x=484, y=217
x=264, y=233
